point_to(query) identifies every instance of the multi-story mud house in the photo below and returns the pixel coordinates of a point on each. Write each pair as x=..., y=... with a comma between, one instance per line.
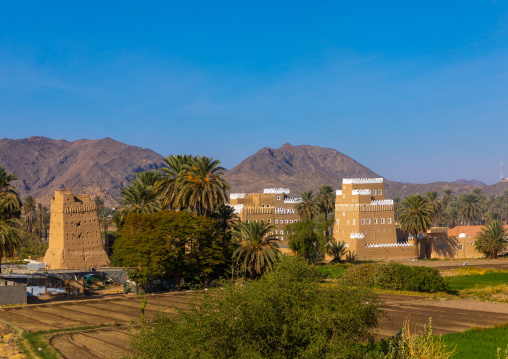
x=364, y=220
x=273, y=206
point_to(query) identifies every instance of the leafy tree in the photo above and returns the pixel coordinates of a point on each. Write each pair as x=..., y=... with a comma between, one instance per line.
x=284, y=314
x=308, y=207
x=31, y=246
x=326, y=198
x=396, y=201
x=9, y=237
x=10, y=203
x=415, y=216
x=307, y=239
x=258, y=250
x=201, y=187
x=170, y=244
x=432, y=197
x=337, y=250
x=166, y=186
x=492, y=239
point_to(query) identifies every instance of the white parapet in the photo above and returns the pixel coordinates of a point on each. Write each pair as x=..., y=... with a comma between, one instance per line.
x=361, y=180
x=363, y=192
x=383, y=202
x=276, y=190
x=338, y=192
x=237, y=208
x=355, y=235
x=236, y=195
x=380, y=245
x=292, y=200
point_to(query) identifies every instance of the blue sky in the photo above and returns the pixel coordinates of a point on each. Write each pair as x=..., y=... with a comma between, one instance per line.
x=416, y=91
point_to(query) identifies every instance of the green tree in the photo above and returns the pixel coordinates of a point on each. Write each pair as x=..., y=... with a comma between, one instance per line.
x=170, y=244
x=258, y=250
x=307, y=239
x=202, y=188
x=326, y=199
x=470, y=208
x=284, y=314
x=308, y=207
x=432, y=197
x=9, y=238
x=29, y=207
x=10, y=203
x=337, y=250
x=166, y=186
x=415, y=216
x=492, y=239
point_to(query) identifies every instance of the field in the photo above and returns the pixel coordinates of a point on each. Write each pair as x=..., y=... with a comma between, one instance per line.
x=478, y=343
x=468, y=278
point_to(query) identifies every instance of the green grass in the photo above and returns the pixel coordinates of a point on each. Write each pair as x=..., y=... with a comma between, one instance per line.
x=333, y=270
x=478, y=343
x=489, y=278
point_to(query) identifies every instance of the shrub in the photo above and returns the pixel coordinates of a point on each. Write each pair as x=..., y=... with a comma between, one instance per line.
x=396, y=276
x=284, y=314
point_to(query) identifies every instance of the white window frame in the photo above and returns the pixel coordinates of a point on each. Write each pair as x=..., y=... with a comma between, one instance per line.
x=382, y=221
x=374, y=192
x=380, y=192
x=375, y=220
x=389, y=221
x=363, y=221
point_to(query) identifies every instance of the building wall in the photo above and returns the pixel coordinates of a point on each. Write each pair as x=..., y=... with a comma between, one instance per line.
x=13, y=294
x=75, y=239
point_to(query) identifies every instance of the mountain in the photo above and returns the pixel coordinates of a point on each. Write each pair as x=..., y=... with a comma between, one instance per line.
x=298, y=168
x=98, y=167
x=472, y=182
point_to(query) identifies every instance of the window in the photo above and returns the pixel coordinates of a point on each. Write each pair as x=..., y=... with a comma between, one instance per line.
x=382, y=221
x=281, y=238
x=363, y=221
x=275, y=232
x=442, y=246
x=291, y=221
x=375, y=220
x=278, y=198
x=354, y=221
x=281, y=232
x=380, y=192
x=287, y=221
x=276, y=221
x=343, y=196
x=389, y=221
x=460, y=246
x=269, y=221
x=348, y=222
x=368, y=220
x=337, y=221
x=343, y=213
x=374, y=192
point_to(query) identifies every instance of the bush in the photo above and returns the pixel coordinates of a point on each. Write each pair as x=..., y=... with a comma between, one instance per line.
x=396, y=276
x=284, y=314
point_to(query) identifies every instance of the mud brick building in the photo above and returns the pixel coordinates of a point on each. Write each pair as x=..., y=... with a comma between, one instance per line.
x=365, y=221
x=274, y=206
x=75, y=238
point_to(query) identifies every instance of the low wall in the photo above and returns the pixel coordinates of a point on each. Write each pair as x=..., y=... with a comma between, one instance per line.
x=386, y=253
x=13, y=294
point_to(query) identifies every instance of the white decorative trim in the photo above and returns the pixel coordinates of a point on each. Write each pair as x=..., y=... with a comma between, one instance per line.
x=355, y=235
x=463, y=235
x=380, y=245
x=338, y=192
x=237, y=208
x=276, y=190
x=363, y=192
x=361, y=180
x=292, y=200
x=236, y=195
x=383, y=202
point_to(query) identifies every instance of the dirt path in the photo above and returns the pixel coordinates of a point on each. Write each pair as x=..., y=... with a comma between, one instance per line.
x=9, y=347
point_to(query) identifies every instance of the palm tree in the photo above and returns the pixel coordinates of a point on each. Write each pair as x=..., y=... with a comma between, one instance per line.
x=201, y=187
x=9, y=238
x=308, y=207
x=470, y=207
x=225, y=217
x=337, y=250
x=415, y=216
x=258, y=249
x=492, y=239
x=435, y=204
x=396, y=201
x=138, y=197
x=451, y=216
x=29, y=207
x=10, y=203
x=168, y=177
x=326, y=199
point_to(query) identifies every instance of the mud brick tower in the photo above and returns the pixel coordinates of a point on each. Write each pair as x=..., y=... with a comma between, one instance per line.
x=75, y=237
x=364, y=220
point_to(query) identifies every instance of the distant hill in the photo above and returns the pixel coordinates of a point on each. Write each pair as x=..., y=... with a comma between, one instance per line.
x=472, y=182
x=98, y=167
x=299, y=168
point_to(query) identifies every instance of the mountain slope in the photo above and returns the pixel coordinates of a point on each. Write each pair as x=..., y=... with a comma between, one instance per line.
x=99, y=167
x=298, y=167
